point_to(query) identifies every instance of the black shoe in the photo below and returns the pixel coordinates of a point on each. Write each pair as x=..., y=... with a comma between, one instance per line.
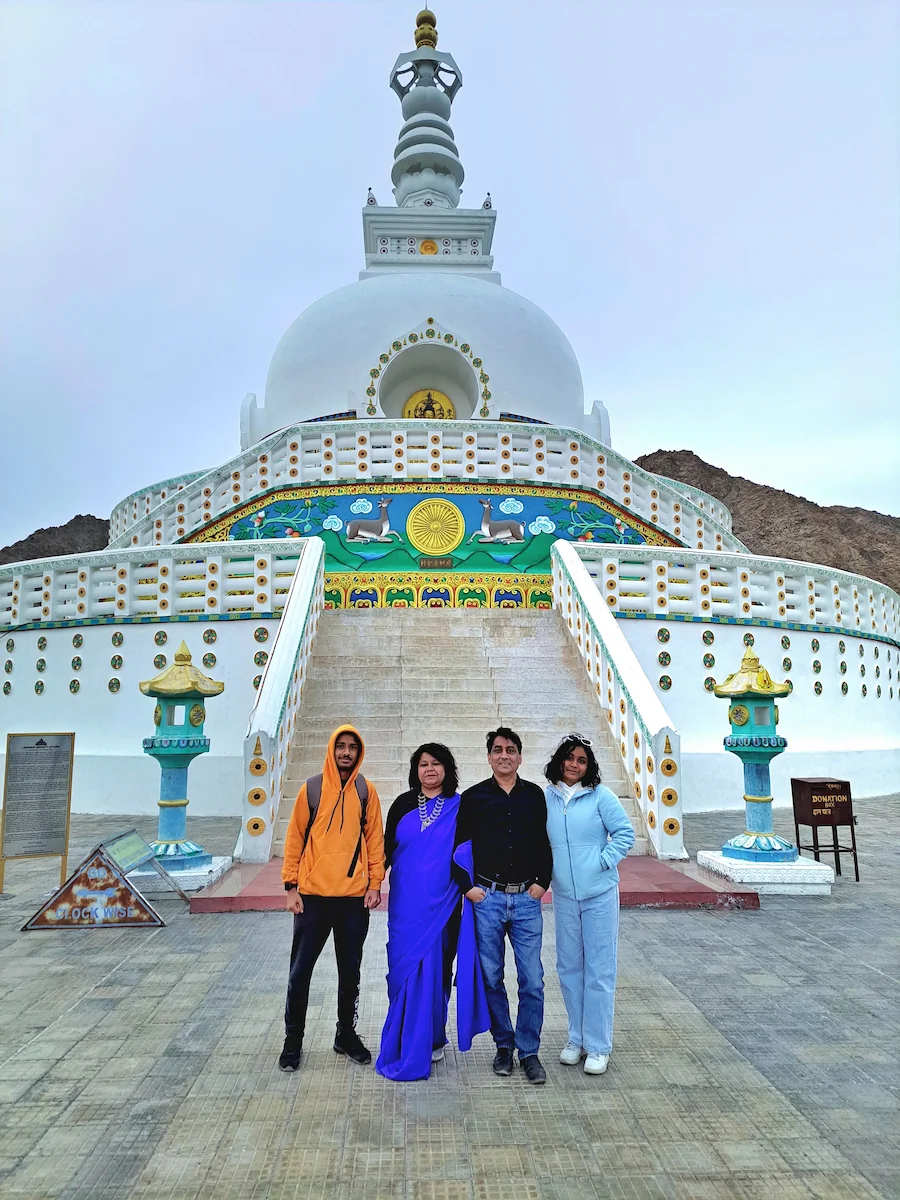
x=347, y=1042
x=289, y=1059
x=504, y=1061
x=534, y=1072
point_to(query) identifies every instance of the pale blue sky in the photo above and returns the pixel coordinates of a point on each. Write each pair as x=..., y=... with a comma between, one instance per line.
x=704, y=195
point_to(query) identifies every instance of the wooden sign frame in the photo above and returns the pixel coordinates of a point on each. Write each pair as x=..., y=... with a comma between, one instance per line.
x=64, y=855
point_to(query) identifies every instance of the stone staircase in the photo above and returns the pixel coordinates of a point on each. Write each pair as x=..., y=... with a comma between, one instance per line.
x=406, y=676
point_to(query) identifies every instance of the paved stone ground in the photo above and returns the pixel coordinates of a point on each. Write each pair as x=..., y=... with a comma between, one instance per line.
x=756, y=1056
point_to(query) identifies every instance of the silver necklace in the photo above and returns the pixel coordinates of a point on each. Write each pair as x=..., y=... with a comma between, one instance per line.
x=425, y=817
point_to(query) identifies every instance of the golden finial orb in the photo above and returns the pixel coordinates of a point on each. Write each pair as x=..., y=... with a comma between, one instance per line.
x=426, y=33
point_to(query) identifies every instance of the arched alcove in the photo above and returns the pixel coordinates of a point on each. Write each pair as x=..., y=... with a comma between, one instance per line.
x=429, y=365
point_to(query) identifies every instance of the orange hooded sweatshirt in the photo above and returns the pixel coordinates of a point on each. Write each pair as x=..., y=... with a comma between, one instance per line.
x=321, y=869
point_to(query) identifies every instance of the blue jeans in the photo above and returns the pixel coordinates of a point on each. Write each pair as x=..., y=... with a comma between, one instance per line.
x=520, y=917
x=587, y=934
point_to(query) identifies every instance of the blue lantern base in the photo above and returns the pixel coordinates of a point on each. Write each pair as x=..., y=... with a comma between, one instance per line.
x=181, y=856
x=760, y=847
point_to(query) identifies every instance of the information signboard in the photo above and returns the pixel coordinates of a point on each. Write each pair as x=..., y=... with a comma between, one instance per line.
x=37, y=797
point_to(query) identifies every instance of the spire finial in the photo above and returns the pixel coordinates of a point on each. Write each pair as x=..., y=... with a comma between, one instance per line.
x=426, y=33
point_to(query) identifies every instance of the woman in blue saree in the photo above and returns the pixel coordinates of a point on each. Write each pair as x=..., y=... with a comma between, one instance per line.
x=427, y=923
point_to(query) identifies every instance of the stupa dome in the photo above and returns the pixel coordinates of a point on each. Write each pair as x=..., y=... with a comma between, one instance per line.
x=324, y=362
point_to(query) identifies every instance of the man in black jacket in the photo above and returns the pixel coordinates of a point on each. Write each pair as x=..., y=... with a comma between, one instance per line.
x=506, y=819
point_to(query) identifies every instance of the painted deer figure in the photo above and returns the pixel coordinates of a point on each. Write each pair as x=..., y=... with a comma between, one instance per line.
x=497, y=531
x=374, y=530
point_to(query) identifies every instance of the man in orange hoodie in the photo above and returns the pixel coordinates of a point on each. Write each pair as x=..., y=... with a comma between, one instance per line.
x=333, y=870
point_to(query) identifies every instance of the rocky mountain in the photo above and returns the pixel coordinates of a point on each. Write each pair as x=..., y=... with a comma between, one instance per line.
x=77, y=536
x=778, y=523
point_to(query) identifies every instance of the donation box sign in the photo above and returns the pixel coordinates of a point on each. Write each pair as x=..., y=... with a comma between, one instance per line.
x=822, y=801
x=37, y=794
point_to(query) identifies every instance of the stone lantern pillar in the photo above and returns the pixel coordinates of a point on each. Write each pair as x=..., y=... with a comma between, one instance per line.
x=181, y=692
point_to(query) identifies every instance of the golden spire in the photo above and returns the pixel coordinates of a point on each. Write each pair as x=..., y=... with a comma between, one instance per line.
x=182, y=679
x=426, y=34
x=751, y=680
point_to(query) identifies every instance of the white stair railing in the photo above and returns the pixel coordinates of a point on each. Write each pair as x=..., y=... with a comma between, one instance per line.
x=643, y=732
x=273, y=717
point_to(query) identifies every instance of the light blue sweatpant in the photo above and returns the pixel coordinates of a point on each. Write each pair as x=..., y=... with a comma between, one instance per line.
x=587, y=933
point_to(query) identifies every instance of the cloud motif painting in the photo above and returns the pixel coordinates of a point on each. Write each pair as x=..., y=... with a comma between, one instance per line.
x=509, y=505
x=361, y=506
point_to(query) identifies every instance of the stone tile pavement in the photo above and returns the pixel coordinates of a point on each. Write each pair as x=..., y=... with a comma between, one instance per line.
x=757, y=1055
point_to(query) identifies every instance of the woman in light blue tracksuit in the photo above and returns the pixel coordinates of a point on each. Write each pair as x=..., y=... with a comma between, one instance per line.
x=589, y=833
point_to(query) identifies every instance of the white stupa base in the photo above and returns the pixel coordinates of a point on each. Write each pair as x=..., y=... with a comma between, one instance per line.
x=805, y=877
x=150, y=883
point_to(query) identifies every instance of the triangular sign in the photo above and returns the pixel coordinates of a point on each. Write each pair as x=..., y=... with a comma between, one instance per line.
x=96, y=896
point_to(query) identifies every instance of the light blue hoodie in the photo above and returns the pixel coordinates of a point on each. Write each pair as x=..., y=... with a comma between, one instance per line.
x=588, y=837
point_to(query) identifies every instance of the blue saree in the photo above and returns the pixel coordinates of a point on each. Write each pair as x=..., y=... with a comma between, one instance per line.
x=422, y=903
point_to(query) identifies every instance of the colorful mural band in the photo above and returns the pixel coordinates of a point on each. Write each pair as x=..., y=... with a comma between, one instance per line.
x=452, y=590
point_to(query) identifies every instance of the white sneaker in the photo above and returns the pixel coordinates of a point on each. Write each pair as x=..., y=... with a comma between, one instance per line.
x=596, y=1064
x=437, y=1055
x=571, y=1055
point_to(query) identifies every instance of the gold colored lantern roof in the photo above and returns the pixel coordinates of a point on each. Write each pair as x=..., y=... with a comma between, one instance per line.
x=182, y=680
x=426, y=34
x=751, y=680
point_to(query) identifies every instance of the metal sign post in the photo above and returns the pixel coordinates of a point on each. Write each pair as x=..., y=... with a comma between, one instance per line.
x=37, y=798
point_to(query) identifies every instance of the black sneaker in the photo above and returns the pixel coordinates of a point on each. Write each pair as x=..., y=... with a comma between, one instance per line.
x=534, y=1071
x=289, y=1059
x=504, y=1061
x=347, y=1042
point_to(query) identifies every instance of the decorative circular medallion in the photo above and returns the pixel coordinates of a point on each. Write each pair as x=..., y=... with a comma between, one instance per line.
x=257, y=766
x=209, y=659
x=814, y=645
x=197, y=715
x=256, y=796
x=862, y=668
x=738, y=714
x=261, y=634
x=114, y=684
x=435, y=526
x=42, y=643
x=817, y=667
x=669, y=797
x=8, y=666
x=842, y=646
x=817, y=687
x=10, y=645
x=160, y=637
x=864, y=690
x=876, y=651
x=428, y=247
x=209, y=636
x=39, y=687
x=77, y=641
x=157, y=715
x=74, y=686
x=842, y=667
x=664, y=658
x=665, y=682
x=255, y=826
x=786, y=664
x=785, y=643
x=651, y=819
x=7, y=687
x=76, y=663
x=709, y=661
x=159, y=661
x=709, y=683
x=862, y=651
x=260, y=658
x=844, y=688
x=671, y=826
x=117, y=638
x=257, y=679
x=41, y=665
x=116, y=662
x=749, y=639
x=708, y=637
x=663, y=634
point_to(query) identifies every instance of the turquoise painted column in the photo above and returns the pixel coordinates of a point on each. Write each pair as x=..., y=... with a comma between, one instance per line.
x=754, y=739
x=181, y=691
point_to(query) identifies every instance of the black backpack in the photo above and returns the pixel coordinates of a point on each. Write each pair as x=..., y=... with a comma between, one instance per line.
x=314, y=795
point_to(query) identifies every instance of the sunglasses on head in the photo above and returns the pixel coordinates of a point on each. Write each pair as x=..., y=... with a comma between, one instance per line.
x=576, y=737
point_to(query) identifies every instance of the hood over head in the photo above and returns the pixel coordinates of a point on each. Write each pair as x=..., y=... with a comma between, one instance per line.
x=331, y=777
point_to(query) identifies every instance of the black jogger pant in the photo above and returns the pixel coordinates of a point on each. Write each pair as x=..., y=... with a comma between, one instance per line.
x=348, y=917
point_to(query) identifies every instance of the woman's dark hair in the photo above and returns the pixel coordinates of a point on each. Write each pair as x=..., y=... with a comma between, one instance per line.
x=445, y=758
x=554, y=767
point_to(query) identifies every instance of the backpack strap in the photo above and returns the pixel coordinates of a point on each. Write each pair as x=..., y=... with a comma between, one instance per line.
x=313, y=796
x=362, y=790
